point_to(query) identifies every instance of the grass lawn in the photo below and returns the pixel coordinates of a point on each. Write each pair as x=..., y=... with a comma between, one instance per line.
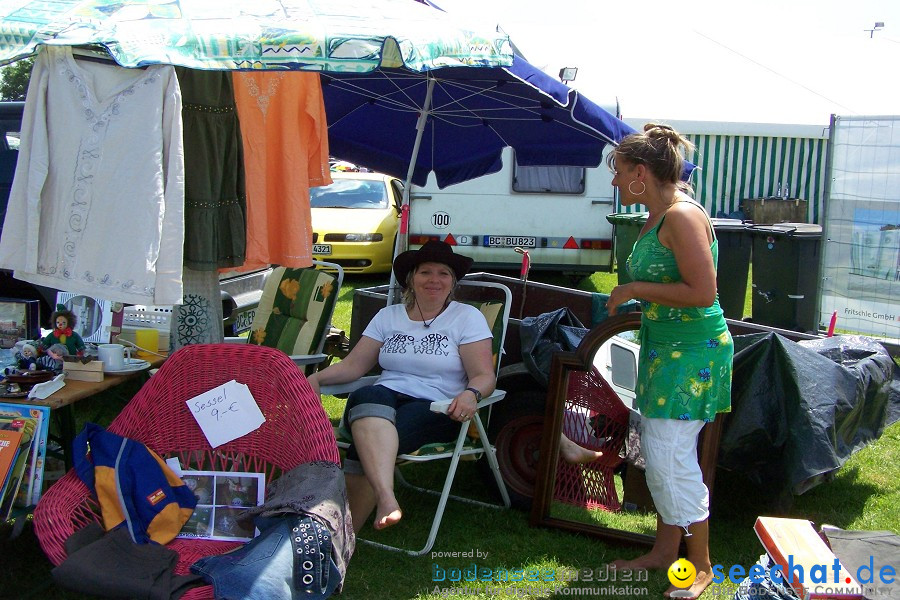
x=864, y=494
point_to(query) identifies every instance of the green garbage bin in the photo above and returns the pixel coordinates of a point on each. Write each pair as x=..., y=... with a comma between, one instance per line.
x=735, y=246
x=627, y=230
x=786, y=267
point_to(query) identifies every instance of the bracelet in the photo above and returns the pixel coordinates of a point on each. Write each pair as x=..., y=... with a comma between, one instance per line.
x=476, y=392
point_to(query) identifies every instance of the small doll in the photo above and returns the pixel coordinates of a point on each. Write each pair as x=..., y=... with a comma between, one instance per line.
x=26, y=359
x=63, y=322
x=53, y=359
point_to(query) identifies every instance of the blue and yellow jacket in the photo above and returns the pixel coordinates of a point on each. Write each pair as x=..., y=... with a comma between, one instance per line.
x=135, y=487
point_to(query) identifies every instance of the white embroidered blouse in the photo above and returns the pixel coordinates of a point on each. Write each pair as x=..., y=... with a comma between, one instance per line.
x=97, y=203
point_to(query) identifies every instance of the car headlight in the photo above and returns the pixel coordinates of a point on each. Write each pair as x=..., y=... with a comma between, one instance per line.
x=354, y=237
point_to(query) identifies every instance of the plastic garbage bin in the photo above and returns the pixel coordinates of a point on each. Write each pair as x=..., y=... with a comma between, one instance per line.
x=786, y=267
x=628, y=228
x=735, y=246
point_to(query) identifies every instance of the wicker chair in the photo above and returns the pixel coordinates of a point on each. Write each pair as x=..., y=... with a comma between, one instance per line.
x=296, y=431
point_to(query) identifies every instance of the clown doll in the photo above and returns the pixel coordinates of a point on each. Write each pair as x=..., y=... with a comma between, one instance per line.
x=63, y=323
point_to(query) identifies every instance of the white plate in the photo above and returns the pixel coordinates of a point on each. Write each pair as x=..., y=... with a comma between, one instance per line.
x=131, y=365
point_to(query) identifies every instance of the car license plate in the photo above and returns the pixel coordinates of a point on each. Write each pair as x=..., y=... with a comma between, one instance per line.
x=321, y=249
x=243, y=321
x=510, y=241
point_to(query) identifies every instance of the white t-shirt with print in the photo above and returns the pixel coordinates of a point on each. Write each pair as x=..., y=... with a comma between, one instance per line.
x=424, y=362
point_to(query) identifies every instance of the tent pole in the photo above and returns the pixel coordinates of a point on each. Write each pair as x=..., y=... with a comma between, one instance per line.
x=401, y=244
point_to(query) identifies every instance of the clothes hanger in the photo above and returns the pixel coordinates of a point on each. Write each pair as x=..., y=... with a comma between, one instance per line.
x=94, y=54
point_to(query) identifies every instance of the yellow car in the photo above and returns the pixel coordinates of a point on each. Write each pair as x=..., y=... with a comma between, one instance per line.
x=355, y=221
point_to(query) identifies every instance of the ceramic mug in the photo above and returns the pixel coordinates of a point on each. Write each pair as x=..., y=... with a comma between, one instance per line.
x=112, y=355
x=148, y=339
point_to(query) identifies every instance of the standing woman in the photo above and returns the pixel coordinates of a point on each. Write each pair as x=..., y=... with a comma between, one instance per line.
x=686, y=351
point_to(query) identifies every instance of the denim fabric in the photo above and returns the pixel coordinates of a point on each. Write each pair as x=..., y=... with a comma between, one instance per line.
x=416, y=424
x=289, y=559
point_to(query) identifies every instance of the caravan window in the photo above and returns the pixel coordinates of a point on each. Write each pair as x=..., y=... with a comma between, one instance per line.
x=548, y=180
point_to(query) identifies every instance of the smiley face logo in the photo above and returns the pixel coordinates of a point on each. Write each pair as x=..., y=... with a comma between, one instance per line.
x=682, y=573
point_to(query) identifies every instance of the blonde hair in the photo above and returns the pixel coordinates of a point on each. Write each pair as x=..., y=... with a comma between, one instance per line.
x=409, y=295
x=660, y=148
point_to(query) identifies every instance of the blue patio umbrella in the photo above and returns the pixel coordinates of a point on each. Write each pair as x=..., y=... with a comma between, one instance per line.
x=456, y=121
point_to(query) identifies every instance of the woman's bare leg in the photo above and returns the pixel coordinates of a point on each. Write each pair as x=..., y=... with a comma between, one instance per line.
x=574, y=454
x=698, y=553
x=375, y=440
x=663, y=553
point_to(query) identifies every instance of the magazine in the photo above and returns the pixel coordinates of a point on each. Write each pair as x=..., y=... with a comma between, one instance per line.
x=221, y=497
x=33, y=482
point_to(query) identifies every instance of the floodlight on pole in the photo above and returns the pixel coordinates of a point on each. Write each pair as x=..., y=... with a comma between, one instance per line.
x=879, y=25
x=567, y=74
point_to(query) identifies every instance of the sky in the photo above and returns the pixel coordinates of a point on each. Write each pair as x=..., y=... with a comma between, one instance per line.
x=764, y=61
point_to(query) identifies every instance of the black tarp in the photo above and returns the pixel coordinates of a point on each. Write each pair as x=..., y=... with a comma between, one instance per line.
x=800, y=409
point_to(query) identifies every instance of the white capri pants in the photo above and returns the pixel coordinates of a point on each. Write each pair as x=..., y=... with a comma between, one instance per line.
x=669, y=447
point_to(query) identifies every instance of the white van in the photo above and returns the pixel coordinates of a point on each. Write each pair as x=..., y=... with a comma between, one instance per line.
x=557, y=213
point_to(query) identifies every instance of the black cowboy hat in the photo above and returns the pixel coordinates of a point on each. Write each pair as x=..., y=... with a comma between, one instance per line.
x=432, y=251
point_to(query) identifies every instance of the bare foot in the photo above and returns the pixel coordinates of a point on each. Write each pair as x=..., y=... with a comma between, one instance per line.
x=389, y=515
x=645, y=561
x=577, y=455
x=701, y=582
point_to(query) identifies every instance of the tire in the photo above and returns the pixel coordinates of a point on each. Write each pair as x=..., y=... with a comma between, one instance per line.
x=516, y=428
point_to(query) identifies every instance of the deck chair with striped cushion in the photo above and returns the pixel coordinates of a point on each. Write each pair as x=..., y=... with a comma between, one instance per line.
x=493, y=300
x=294, y=312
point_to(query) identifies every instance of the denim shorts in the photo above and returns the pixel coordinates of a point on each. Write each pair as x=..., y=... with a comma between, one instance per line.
x=416, y=424
x=290, y=559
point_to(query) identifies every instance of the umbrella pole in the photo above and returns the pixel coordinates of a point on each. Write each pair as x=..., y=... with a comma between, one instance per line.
x=401, y=244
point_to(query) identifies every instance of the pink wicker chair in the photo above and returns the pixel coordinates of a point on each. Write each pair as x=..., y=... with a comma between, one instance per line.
x=296, y=431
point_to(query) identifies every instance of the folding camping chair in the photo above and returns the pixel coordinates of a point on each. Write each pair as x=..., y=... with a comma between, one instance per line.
x=496, y=312
x=294, y=313
x=296, y=430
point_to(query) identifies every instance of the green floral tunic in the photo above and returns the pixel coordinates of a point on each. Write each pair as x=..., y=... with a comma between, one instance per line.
x=686, y=353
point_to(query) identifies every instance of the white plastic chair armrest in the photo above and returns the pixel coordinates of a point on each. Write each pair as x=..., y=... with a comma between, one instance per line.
x=346, y=388
x=496, y=396
x=308, y=359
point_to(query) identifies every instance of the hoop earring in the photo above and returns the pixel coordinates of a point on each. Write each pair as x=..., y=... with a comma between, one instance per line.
x=633, y=193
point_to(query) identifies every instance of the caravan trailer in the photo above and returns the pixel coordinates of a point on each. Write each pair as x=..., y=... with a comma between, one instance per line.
x=558, y=214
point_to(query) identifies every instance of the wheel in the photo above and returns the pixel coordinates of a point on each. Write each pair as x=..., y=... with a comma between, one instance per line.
x=516, y=431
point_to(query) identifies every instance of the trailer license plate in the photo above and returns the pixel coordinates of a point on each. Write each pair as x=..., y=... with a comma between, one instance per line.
x=321, y=249
x=243, y=321
x=510, y=241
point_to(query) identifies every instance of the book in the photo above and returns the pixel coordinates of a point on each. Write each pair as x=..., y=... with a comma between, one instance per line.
x=807, y=563
x=33, y=483
x=10, y=441
x=19, y=320
x=27, y=427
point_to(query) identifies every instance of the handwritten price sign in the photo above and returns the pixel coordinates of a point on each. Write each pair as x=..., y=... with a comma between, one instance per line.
x=226, y=413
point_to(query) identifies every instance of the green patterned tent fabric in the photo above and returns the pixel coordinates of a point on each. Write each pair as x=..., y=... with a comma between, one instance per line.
x=312, y=35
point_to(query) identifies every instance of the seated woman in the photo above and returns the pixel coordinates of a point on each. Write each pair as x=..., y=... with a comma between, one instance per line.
x=430, y=348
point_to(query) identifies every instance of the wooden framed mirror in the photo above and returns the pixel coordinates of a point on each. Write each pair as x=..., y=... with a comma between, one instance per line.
x=589, y=399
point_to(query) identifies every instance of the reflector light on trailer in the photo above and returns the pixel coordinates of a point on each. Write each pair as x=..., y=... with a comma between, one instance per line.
x=571, y=244
x=588, y=244
x=420, y=239
x=450, y=240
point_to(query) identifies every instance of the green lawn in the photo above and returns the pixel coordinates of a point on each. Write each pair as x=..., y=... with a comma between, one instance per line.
x=864, y=494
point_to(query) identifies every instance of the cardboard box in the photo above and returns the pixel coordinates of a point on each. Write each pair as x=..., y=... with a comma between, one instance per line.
x=83, y=371
x=797, y=548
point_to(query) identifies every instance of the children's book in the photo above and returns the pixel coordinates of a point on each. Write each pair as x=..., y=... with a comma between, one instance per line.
x=26, y=427
x=33, y=482
x=10, y=441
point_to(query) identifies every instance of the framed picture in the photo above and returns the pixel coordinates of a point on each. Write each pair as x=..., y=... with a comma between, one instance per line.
x=95, y=317
x=221, y=497
x=19, y=320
